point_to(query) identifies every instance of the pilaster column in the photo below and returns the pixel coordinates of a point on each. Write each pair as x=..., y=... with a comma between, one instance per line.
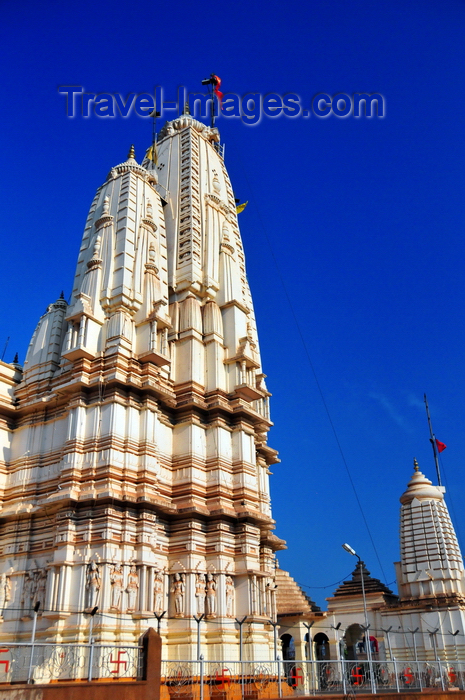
x=149, y=599
x=143, y=587
x=253, y=596
x=61, y=585
x=49, y=598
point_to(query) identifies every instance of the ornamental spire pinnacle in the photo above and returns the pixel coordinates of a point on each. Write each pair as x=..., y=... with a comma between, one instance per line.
x=132, y=153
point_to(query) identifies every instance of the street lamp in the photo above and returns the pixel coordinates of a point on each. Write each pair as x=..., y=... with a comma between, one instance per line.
x=349, y=549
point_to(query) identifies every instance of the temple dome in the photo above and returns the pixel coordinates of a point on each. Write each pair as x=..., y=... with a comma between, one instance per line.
x=421, y=488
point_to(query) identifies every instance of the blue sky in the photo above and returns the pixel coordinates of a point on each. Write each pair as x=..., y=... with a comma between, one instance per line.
x=354, y=233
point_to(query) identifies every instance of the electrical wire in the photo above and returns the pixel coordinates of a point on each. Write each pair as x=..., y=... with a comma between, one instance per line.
x=253, y=199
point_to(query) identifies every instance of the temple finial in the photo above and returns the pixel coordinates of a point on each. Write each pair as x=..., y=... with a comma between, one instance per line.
x=62, y=295
x=415, y=465
x=16, y=360
x=132, y=153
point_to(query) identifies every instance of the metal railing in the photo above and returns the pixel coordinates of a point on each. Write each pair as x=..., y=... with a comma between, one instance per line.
x=42, y=663
x=308, y=677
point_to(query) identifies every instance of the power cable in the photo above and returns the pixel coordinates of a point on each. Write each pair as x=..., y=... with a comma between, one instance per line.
x=320, y=390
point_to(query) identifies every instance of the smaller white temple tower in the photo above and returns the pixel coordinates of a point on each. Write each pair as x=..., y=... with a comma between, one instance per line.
x=431, y=564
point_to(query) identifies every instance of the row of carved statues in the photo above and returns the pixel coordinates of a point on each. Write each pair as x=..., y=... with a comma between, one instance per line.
x=124, y=594
x=205, y=591
x=205, y=594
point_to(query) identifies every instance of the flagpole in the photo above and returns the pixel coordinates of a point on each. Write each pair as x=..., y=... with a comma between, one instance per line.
x=433, y=441
x=213, y=105
x=212, y=82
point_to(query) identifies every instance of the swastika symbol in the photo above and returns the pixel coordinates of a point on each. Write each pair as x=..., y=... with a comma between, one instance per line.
x=357, y=675
x=5, y=662
x=408, y=676
x=296, y=676
x=118, y=661
x=223, y=677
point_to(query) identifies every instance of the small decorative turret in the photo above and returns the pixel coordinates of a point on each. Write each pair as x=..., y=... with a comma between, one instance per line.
x=16, y=364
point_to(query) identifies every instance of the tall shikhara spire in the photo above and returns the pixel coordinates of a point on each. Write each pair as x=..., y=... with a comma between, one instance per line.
x=431, y=564
x=135, y=473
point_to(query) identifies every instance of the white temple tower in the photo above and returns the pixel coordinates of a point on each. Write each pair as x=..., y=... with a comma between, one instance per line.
x=431, y=562
x=134, y=472
x=430, y=577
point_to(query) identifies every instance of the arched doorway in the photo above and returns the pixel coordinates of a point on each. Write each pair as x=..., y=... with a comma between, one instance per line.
x=288, y=649
x=322, y=653
x=321, y=647
x=353, y=638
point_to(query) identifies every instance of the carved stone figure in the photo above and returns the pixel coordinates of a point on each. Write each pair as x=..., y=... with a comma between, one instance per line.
x=200, y=592
x=211, y=596
x=230, y=594
x=117, y=586
x=158, y=592
x=93, y=584
x=132, y=588
x=35, y=575
x=39, y=587
x=26, y=596
x=178, y=589
x=5, y=591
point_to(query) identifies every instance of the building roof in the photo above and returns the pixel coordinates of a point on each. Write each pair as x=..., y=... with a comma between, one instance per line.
x=290, y=598
x=354, y=586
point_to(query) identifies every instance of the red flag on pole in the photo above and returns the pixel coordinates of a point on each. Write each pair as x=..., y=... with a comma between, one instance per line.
x=440, y=445
x=217, y=90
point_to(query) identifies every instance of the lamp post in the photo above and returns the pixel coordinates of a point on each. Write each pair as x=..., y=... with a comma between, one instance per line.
x=275, y=638
x=415, y=655
x=349, y=549
x=198, y=621
x=240, y=623
x=309, y=626
x=159, y=617
x=454, y=634
x=92, y=614
x=33, y=638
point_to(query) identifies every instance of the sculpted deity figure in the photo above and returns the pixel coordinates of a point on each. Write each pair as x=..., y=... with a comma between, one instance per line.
x=117, y=586
x=230, y=593
x=158, y=592
x=200, y=592
x=93, y=584
x=211, y=596
x=39, y=587
x=26, y=596
x=132, y=587
x=5, y=591
x=177, y=590
x=34, y=575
